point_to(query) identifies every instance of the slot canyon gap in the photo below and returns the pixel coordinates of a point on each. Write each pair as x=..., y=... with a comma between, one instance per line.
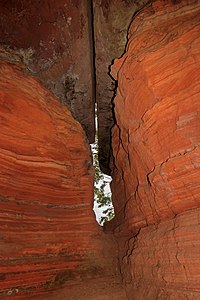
x=139, y=61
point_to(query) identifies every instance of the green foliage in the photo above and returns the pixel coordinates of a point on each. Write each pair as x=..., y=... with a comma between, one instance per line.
x=102, y=197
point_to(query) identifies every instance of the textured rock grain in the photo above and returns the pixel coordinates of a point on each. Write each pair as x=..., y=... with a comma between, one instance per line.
x=165, y=260
x=54, y=40
x=156, y=150
x=111, y=21
x=49, y=236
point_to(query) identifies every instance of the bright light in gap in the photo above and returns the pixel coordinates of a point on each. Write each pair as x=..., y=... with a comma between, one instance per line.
x=103, y=207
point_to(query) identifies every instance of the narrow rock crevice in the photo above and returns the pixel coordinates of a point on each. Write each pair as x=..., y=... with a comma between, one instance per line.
x=55, y=62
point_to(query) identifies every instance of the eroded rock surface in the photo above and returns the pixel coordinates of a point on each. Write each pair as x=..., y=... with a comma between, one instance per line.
x=49, y=236
x=111, y=21
x=156, y=152
x=50, y=245
x=54, y=40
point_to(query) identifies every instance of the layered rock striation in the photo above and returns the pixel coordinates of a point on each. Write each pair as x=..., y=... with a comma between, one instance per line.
x=156, y=152
x=50, y=244
x=49, y=236
x=54, y=41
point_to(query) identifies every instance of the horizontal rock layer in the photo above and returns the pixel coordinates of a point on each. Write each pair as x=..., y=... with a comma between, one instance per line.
x=49, y=236
x=165, y=260
x=156, y=149
x=156, y=140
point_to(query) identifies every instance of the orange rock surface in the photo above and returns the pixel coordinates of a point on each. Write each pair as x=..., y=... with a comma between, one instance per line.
x=50, y=244
x=156, y=152
x=49, y=236
x=53, y=39
x=165, y=261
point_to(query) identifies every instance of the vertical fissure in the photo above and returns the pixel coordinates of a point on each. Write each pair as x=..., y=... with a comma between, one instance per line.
x=103, y=206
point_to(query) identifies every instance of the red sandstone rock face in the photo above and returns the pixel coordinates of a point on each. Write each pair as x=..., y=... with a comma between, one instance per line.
x=49, y=236
x=156, y=152
x=165, y=261
x=53, y=39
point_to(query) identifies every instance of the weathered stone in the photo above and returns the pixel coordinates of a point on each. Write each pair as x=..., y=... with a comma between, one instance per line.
x=156, y=150
x=49, y=236
x=165, y=261
x=54, y=40
x=50, y=245
x=111, y=21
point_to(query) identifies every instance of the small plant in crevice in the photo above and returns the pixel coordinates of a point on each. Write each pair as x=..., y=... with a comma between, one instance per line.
x=102, y=194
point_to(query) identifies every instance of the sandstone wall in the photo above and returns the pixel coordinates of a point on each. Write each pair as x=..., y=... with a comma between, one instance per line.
x=53, y=39
x=111, y=21
x=50, y=244
x=156, y=183
x=49, y=237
